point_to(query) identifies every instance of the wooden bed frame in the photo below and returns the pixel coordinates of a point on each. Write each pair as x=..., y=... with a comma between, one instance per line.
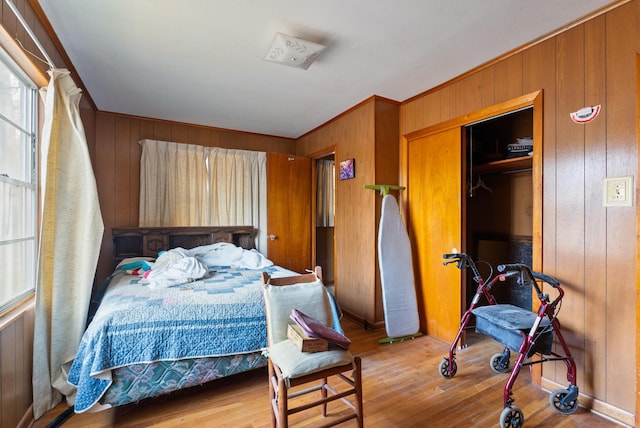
x=148, y=241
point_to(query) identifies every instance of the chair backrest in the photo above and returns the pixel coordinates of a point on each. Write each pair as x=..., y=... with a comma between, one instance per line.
x=305, y=292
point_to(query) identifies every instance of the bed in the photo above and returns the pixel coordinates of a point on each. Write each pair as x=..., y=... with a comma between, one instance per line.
x=147, y=337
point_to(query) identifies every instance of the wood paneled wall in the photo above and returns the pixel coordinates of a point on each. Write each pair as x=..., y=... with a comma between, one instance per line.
x=353, y=135
x=589, y=248
x=117, y=163
x=16, y=362
x=367, y=133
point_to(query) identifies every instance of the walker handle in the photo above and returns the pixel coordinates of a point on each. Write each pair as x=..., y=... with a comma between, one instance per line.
x=524, y=268
x=512, y=267
x=546, y=278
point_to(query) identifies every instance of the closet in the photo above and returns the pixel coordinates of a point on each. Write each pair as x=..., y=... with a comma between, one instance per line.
x=499, y=198
x=473, y=186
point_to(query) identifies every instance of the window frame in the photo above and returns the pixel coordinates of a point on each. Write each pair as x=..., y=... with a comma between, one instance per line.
x=31, y=133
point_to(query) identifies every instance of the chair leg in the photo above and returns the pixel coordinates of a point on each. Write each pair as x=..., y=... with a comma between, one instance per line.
x=272, y=395
x=357, y=378
x=283, y=409
x=279, y=395
x=323, y=391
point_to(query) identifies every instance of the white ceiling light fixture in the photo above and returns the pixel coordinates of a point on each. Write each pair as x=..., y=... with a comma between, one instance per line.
x=293, y=51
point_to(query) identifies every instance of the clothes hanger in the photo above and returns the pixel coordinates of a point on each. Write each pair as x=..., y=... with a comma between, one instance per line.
x=480, y=185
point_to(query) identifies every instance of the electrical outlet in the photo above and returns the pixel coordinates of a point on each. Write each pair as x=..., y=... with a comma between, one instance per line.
x=618, y=191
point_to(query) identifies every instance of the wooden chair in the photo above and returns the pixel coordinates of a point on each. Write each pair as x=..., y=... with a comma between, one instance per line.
x=289, y=367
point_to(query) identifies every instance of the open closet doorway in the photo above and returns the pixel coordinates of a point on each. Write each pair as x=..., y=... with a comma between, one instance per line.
x=324, y=218
x=499, y=204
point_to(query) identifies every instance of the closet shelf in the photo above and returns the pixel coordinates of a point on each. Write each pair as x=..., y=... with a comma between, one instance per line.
x=505, y=165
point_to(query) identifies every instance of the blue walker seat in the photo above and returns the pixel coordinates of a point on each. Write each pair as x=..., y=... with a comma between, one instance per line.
x=504, y=323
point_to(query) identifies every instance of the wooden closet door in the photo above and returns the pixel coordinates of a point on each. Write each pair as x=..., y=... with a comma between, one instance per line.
x=289, y=211
x=434, y=207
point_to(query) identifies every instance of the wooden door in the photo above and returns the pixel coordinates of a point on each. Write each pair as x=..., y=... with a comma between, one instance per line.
x=434, y=211
x=289, y=211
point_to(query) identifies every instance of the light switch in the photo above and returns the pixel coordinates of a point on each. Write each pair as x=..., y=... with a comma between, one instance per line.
x=618, y=191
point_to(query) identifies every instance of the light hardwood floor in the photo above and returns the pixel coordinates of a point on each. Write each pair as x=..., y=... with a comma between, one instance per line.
x=402, y=388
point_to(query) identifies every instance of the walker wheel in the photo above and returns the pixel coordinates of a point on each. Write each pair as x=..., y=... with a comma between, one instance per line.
x=511, y=417
x=443, y=368
x=557, y=401
x=499, y=364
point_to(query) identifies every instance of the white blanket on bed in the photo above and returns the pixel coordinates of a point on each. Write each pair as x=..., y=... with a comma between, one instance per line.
x=175, y=267
x=226, y=254
x=179, y=266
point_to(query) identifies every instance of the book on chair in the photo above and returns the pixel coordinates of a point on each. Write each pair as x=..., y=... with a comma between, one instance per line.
x=303, y=342
x=317, y=330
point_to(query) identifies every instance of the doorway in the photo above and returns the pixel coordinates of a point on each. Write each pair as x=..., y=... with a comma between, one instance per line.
x=324, y=217
x=289, y=185
x=499, y=192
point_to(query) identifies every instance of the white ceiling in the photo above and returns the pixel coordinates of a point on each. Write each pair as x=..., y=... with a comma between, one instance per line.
x=201, y=61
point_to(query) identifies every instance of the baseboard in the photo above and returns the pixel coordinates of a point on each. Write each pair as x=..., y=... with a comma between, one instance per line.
x=367, y=325
x=596, y=406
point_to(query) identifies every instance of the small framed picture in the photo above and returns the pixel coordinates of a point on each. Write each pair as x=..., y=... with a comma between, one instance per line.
x=347, y=169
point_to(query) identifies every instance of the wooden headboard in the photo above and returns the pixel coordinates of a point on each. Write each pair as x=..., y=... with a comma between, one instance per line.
x=148, y=241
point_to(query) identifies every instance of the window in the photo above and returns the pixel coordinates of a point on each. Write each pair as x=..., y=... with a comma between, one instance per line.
x=18, y=183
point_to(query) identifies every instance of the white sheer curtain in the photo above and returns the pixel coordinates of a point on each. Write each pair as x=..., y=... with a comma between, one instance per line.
x=173, y=184
x=325, y=193
x=238, y=190
x=190, y=185
x=70, y=241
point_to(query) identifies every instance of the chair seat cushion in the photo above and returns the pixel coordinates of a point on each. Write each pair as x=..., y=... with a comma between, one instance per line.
x=294, y=363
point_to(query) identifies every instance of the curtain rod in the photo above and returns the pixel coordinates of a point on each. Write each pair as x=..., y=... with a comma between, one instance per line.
x=31, y=34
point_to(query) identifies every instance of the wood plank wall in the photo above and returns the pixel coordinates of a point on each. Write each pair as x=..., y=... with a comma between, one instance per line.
x=589, y=248
x=368, y=133
x=16, y=351
x=353, y=136
x=117, y=163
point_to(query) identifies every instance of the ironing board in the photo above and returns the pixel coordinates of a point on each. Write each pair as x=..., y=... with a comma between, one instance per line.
x=396, y=272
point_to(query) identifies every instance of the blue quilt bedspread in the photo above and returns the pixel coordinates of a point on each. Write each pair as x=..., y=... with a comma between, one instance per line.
x=220, y=315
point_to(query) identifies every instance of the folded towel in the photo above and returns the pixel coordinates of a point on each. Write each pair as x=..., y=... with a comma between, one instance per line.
x=135, y=263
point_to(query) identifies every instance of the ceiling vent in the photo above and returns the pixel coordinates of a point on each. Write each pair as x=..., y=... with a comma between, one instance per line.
x=293, y=51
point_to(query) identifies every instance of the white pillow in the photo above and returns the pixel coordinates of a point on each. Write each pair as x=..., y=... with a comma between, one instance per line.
x=308, y=297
